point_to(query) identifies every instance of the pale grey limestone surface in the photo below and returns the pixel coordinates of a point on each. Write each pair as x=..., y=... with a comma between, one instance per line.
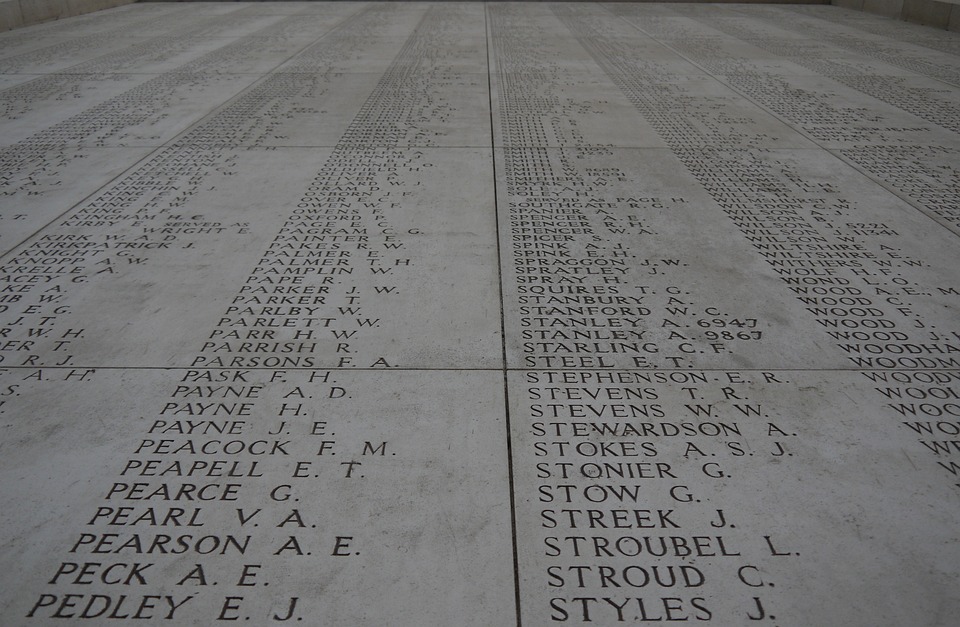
x=361, y=313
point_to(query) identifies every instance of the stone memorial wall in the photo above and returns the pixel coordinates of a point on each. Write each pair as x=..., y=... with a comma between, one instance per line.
x=479, y=314
x=19, y=13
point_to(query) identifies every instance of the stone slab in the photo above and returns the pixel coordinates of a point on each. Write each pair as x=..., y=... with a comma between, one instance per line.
x=342, y=524
x=646, y=516
x=928, y=12
x=445, y=233
x=47, y=182
x=887, y=8
x=441, y=313
x=10, y=15
x=18, y=13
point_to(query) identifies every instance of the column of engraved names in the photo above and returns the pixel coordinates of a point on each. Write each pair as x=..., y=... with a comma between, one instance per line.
x=249, y=426
x=920, y=170
x=616, y=466
x=882, y=299
x=156, y=214
x=44, y=167
x=588, y=294
x=86, y=24
x=905, y=152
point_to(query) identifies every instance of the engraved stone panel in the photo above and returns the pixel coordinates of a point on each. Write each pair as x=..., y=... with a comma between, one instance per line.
x=443, y=313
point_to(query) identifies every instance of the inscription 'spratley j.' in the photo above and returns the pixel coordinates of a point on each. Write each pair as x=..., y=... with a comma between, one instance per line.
x=467, y=314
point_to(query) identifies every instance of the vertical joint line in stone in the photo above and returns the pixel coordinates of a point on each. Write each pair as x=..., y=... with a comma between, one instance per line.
x=503, y=328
